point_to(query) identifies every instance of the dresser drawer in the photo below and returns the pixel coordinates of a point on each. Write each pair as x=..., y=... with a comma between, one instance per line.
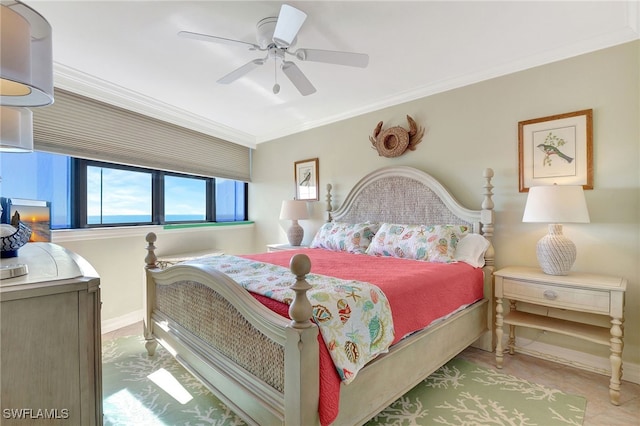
x=578, y=299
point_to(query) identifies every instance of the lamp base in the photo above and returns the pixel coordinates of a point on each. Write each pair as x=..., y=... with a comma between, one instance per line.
x=295, y=233
x=556, y=253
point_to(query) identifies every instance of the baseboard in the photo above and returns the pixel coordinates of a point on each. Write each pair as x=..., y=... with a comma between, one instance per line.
x=573, y=358
x=122, y=321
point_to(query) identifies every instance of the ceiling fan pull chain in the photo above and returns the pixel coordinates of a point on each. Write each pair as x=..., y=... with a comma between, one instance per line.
x=276, y=86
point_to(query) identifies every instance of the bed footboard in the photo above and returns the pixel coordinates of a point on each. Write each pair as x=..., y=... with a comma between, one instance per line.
x=217, y=330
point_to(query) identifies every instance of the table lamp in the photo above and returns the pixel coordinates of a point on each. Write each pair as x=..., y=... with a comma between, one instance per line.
x=294, y=210
x=556, y=204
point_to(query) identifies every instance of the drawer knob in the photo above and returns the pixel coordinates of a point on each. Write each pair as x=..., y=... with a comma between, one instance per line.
x=550, y=294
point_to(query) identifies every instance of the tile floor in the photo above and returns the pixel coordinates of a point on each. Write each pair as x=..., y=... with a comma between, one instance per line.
x=594, y=387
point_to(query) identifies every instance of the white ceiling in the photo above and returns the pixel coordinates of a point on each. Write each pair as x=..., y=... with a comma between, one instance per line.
x=127, y=53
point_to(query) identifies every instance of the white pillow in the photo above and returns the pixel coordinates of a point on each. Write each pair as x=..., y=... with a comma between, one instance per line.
x=471, y=249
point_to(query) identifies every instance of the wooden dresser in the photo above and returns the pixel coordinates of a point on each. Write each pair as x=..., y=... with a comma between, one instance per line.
x=50, y=365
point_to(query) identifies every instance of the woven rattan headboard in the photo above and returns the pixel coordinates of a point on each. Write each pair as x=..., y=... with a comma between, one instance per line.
x=410, y=196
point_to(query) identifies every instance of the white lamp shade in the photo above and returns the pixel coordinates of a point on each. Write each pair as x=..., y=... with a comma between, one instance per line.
x=556, y=204
x=289, y=22
x=26, y=59
x=16, y=129
x=294, y=210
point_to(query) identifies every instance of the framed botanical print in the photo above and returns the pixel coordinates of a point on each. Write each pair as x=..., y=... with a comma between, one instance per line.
x=556, y=150
x=306, y=179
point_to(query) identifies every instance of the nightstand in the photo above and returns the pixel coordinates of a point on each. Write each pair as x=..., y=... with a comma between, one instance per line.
x=281, y=247
x=579, y=292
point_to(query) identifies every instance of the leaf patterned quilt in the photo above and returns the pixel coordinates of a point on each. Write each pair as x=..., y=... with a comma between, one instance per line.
x=354, y=317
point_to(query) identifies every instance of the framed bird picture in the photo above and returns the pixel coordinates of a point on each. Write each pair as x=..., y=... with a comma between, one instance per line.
x=306, y=180
x=556, y=150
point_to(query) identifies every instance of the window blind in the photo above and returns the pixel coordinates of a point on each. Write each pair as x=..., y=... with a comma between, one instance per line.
x=86, y=128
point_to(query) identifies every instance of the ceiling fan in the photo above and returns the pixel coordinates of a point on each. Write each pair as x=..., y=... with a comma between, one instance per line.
x=276, y=36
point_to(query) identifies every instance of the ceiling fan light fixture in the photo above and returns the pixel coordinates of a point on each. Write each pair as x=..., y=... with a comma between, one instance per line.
x=289, y=22
x=276, y=36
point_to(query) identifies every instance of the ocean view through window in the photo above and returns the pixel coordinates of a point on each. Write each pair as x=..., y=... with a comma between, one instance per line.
x=86, y=193
x=118, y=196
x=185, y=199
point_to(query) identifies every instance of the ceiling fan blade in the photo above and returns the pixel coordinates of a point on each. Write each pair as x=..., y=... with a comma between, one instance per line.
x=237, y=73
x=298, y=79
x=216, y=39
x=289, y=22
x=333, y=57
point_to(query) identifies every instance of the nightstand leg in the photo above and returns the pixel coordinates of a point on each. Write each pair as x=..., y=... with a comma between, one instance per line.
x=511, y=343
x=499, y=324
x=616, y=344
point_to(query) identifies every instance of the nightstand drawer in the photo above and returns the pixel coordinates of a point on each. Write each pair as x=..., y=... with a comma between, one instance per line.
x=579, y=299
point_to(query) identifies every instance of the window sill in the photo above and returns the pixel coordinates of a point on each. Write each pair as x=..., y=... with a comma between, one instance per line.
x=65, y=235
x=202, y=225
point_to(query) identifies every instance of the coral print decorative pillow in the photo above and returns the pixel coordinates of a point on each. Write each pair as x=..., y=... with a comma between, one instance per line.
x=433, y=243
x=349, y=237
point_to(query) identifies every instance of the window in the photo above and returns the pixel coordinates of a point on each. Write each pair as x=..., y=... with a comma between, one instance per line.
x=85, y=193
x=230, y=200
x=185, y=199
x=39, y=176
x=118, y=196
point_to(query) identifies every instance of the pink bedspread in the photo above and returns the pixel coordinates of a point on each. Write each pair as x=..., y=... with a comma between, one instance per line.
x=418, y=292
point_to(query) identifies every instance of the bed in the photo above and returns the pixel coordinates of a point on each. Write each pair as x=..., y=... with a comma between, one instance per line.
x=266, y=367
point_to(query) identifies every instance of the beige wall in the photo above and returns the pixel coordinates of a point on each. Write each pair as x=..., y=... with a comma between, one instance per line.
x=475, y=127
x=118, y=255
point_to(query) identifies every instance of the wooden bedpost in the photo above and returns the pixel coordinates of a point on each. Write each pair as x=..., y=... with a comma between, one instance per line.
x=150, y=263
x=302, y=382
x=329, y=208
x=300, y=310
x=487, y=215
x=151, y=258
x=488, y=340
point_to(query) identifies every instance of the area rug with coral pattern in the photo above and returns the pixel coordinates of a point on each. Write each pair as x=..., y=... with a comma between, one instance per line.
x=147, y=391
